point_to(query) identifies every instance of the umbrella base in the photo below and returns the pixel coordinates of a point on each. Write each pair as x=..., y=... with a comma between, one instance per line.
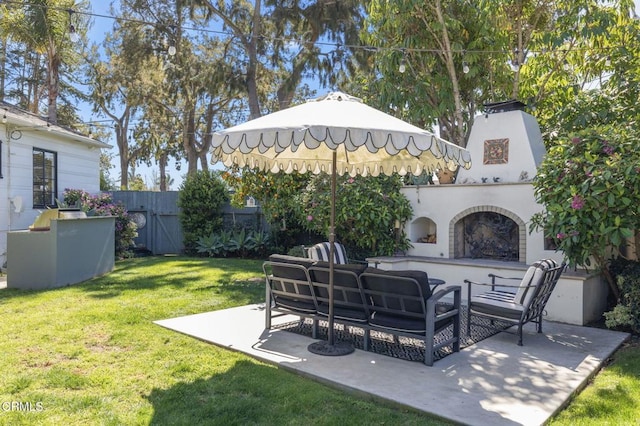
x=337, y=349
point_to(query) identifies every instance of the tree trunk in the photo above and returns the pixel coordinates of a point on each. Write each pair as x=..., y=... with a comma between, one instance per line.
x=252, y=67
x=613, y=286
x=188, y=139
x=123, y=151
x=162, y=162
x=32, y=102
x=458, y=138
x=53, y=82
x=3, y=66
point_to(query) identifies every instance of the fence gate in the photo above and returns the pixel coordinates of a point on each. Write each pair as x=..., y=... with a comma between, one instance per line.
x=156, y=214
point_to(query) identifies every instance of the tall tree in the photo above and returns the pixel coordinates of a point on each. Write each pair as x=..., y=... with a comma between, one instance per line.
x=181, y=94
x=283, y=40
x=44, y=28
x=114, y=95
x=435, y=62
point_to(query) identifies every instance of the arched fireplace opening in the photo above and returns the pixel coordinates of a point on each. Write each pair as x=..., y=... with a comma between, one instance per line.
x=488, y=235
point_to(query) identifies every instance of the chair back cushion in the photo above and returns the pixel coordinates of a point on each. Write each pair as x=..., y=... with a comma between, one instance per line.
x=289, y=283
x=420, y=276
x=321, y=252
x=532, y=278
x=395, y=292
x=282, y=271
x=347, y=298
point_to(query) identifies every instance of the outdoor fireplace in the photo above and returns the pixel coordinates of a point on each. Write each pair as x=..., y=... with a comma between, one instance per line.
x=483, y=215
x=480, y=223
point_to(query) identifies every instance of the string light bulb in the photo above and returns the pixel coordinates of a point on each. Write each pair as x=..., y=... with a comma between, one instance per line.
x=403, y=67
x=465, y=67
x=73, y=34
x=403, y=62
x=171, y=50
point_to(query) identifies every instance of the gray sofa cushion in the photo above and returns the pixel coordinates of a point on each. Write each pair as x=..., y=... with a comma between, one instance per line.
x=291, y=273
x=420, y=276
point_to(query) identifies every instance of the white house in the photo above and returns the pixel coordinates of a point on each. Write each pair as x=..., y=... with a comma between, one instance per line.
x=38, y=162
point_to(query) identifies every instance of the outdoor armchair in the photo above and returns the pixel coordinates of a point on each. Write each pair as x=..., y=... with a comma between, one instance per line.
x=401, y=303
x=516, y=304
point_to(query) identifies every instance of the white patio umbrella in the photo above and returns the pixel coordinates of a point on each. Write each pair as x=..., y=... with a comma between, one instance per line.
x=335, y=134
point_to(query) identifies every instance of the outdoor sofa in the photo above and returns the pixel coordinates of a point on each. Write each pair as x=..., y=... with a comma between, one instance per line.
x=400, y=303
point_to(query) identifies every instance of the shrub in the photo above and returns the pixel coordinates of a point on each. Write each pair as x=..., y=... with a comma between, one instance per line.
x=627, y=312
x=103, y=205
x=589, y=185
x=239, y=243
x=367, y=208
x=201, y=198
x=367, y=212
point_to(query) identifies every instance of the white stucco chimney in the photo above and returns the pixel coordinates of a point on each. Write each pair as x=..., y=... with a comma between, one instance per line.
x=505, y=145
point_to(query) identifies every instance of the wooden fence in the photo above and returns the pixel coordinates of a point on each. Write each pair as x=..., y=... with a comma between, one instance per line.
x=157, y=217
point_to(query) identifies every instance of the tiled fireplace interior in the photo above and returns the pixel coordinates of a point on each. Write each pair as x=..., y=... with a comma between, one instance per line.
x=486, y=235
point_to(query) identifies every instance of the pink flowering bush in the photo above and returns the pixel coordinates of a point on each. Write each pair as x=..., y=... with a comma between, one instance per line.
x=103, y=205
x=590, y=187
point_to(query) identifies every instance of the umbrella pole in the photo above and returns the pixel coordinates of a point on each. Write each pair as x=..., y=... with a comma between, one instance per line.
x=329, y=347
x=332, y=248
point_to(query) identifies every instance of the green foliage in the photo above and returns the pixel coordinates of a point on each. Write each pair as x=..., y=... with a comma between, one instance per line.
x=103, y=205
x=201, y=198
x=297, y=251
x=239, y=243
x=367, y=208
x=279, y=197
x=589, y=185
x=367, y=212
x=627, y=312
x=106, y=183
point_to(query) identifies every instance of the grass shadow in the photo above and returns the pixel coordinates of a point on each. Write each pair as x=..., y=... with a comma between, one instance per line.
x=184, y=273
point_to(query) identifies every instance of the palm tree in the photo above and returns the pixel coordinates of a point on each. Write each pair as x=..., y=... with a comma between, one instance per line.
x=43, y=26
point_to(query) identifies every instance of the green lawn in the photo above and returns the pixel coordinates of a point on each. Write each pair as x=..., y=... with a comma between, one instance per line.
x=90, y=354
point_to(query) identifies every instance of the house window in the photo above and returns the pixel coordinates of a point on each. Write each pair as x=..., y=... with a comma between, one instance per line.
x=45, y=178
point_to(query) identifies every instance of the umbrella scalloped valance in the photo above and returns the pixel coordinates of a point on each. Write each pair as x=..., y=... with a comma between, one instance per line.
x=366, y=141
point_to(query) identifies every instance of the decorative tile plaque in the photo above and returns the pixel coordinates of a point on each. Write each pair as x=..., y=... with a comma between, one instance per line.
x=496, y=151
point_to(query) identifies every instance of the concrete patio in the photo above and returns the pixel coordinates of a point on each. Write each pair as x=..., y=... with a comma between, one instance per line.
x=492, y=382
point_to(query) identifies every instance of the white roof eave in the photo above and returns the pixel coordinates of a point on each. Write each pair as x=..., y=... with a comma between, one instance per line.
x=22, y=123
